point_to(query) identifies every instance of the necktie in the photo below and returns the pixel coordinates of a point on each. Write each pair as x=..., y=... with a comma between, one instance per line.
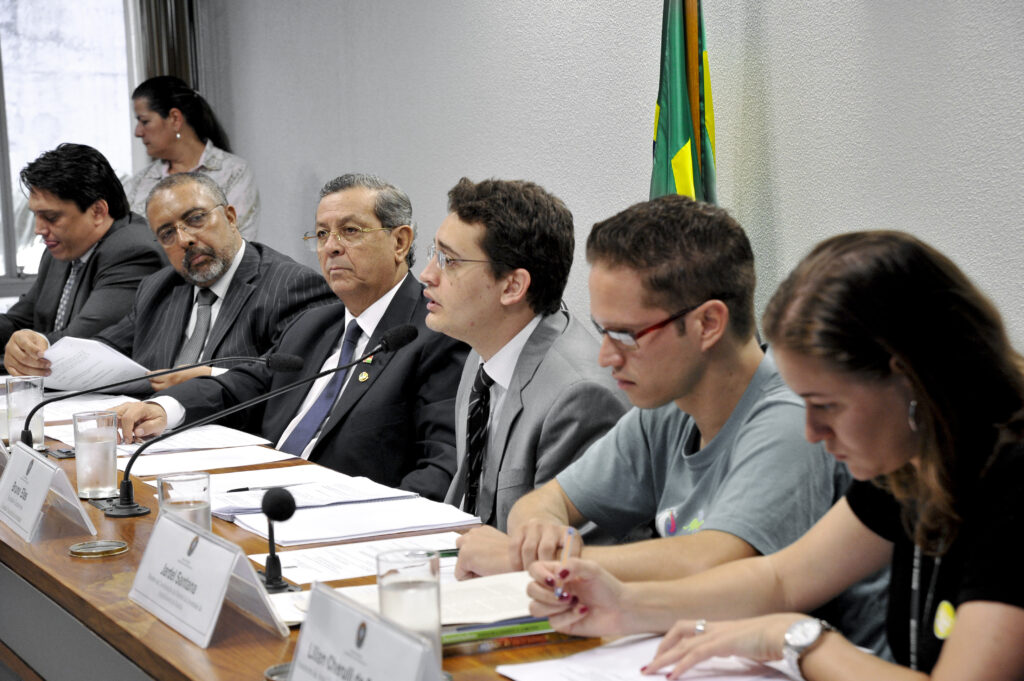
x=192, y=350
x=476, y=436
x=64, y=306
x=308, y=426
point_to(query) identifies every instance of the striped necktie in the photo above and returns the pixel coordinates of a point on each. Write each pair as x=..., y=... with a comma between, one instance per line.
x=476, y=436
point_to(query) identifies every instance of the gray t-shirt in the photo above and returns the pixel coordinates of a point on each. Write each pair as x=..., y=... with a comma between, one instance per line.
x=758, y=479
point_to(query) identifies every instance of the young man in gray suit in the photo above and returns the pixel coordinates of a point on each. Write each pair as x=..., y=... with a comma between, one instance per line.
x=532, y=397
x=97, y=252
x=221, y=296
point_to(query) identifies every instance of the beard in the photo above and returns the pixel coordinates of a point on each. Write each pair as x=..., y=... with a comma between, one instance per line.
x=205, y=272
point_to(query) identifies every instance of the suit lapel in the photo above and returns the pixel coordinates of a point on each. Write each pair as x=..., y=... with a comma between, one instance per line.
x=458, y=487
x=364, y=375
x=176, y=312
x=238, y=294
x=526, y=367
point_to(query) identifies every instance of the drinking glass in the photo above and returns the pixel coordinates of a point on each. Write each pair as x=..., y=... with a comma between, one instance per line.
x=96, y=454
x=409, y=591
x=186, y=495
x=23, y=393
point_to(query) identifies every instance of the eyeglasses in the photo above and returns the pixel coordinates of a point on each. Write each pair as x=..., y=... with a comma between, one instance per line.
x=443, y=260
x=191, y=224
x=348, y=235
x=628, y=339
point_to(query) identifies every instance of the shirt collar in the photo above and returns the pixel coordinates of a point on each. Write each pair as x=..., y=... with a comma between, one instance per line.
x=84, y=258
x=220, y=287
x=372, y=315
x=212, y=158
x=502, y=365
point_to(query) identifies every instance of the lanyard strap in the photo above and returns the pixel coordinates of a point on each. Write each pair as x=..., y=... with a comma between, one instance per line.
x=915, y=601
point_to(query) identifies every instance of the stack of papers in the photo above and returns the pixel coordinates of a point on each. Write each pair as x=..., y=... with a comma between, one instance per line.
x=347, y=490
x=83, y=364
x=65, y=409
x=210, y=436
x=348, y=561
x=202, y=460
x=480, y=600
x=356, y=521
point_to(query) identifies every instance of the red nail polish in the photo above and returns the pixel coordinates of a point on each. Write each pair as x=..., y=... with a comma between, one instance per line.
x=644, y=668
x=574, y=600
x=564, y=573
x=584, y=610
x=549, y=581
x=563, y=596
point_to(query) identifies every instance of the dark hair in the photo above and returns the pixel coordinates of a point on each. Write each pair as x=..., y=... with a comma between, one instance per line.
x=191, y=177
x=391, y=205
x=163, y=93
x=79, y=173
x=688, y=252
x=865, y=301
x=524, y=226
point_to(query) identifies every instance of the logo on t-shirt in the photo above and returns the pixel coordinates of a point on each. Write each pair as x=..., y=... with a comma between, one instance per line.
x=669, y=527
x=945, y=618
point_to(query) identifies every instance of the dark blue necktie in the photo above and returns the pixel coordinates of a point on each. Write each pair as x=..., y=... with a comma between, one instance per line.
x=476, y=436
x=308, y=426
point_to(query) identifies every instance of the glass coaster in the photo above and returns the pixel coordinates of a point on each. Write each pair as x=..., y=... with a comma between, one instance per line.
x=98, y=549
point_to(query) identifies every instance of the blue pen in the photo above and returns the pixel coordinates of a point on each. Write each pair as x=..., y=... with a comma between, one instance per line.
x=566, y=554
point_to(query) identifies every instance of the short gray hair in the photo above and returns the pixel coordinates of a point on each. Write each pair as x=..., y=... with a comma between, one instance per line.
x=212, y=188
x=391, y=205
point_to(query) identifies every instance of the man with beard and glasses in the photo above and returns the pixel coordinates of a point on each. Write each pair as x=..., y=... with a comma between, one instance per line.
x=221, y=296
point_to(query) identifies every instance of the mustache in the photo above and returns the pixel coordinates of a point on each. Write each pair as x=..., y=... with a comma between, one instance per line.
x=193, y=251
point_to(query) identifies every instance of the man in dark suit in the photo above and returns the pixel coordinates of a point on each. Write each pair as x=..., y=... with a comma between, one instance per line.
x=97, y=252
x=250, y=291
x=498, y=268
x=391, y=417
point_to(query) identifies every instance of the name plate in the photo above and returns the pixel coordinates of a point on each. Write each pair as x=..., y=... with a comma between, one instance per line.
x=25, y=485
x=343, y=641
x=187, y=573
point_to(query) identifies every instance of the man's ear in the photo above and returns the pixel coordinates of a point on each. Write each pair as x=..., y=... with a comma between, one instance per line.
x=403, y=236
x=517, y=283
x=712, y=321
x=99, y=210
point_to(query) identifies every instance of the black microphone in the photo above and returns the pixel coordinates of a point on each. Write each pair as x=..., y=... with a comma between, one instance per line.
x=278, y=505
x=125, y=506
x=276, y=362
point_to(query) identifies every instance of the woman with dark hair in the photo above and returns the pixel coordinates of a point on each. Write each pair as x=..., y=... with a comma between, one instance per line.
x=909, y=378
x=182, y=134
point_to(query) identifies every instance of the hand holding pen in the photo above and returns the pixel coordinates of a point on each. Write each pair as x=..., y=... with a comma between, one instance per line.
x=563, y=572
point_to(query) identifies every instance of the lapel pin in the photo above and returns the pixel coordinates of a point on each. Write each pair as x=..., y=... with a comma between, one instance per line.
x=363, y=377
x=368, y=360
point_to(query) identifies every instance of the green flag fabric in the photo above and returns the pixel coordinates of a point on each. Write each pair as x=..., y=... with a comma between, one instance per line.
x=684, y=117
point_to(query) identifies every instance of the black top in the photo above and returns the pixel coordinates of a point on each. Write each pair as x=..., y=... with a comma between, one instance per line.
x=982, y=564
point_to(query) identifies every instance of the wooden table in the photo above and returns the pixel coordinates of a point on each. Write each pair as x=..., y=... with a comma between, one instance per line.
x=70, y=618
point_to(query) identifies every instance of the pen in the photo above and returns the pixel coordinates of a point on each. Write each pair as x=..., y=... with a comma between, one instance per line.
x=258, y=489
x=448, y=553
x=566, y=553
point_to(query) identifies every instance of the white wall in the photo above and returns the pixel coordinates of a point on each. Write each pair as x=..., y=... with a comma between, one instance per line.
x=832, y=115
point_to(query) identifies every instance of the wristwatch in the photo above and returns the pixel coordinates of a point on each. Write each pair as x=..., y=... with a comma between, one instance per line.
x=802, y=636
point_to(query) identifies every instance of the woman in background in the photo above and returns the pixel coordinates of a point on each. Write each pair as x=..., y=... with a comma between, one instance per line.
x=909, y=378
x=181, y=133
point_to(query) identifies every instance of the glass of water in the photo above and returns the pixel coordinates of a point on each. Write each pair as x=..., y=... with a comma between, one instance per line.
x=409, y=591
x=96, y=454
x=23, y=393
x=186, y=495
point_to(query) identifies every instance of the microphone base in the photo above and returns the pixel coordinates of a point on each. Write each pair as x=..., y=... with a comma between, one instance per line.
x=277, y=585
x=116, y=510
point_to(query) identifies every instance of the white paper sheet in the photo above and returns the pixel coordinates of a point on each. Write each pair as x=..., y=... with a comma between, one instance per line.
x=202, y=460
x=344, y=490
x=81, y=364
x=65, y=409
x=209, y=436
x=354, y=521
x=347, y=561
x=621, y=661
x=471, y=601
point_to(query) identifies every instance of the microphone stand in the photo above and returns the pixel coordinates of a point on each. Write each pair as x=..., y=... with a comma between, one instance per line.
x=126, y=507
x=26, y=432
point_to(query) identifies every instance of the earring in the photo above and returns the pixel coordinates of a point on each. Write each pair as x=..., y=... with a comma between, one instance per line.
x=912, y=416
x=177, y=135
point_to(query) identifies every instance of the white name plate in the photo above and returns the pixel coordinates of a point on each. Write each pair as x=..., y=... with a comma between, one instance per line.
x=343, y=641
x=24, y=485
x=186, y=573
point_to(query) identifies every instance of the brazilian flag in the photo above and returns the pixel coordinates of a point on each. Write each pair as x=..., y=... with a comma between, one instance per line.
x=684, y=118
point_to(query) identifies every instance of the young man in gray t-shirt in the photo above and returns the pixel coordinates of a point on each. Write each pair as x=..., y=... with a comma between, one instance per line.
x=714, y=455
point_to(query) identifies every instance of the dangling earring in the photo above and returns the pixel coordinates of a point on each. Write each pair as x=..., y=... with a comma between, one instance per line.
x=912, y=416
x=177, y=135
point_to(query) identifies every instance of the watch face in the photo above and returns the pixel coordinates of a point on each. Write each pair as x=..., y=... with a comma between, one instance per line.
x=803, y=633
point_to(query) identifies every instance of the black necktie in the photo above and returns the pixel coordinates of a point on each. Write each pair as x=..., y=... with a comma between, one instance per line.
x=64, y=306
x=476, y=436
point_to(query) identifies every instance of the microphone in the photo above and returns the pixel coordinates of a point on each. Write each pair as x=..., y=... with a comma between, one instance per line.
x=276, y=362
x=278, y=505
x=125, y=506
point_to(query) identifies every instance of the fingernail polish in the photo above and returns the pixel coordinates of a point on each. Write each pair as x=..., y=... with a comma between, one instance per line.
x=549, y=581
x=563, y=596
x=584, y=610
x=564, y=573
x=644, y=668
x=574, y=600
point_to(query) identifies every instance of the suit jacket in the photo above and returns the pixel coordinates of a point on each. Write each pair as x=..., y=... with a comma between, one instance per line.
x=396, y=427
x=267, y=291
x=106, y=284
x=559, y=401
